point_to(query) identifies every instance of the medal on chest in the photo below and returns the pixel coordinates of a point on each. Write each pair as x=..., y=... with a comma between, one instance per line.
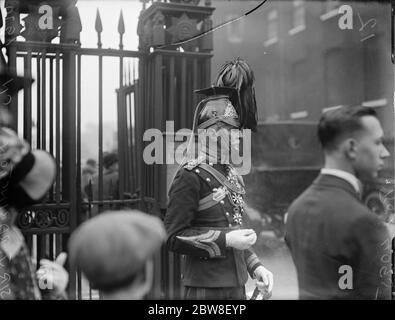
x=237, y=202
x=235, y=198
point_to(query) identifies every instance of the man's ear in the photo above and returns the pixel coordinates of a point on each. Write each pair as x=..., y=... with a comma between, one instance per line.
x=349, y=147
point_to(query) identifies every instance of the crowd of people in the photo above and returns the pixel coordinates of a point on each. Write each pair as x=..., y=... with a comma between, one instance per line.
x=329, y=231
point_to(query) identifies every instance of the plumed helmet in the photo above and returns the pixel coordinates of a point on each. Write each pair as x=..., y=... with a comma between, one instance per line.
x=238, y=74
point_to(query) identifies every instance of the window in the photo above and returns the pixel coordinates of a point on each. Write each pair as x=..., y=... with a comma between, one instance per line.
x=331, y=5
x=271, y=28
x=375, y=68
x=299, y=13
x=338, y=69
x=298, y=17
x=235, y=30
x=299, y=115
x=330, y=9
x=299, y=70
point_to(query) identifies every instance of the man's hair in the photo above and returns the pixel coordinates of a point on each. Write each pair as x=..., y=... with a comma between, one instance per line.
x=91, y=162
x=109, y=159
x=340, y=123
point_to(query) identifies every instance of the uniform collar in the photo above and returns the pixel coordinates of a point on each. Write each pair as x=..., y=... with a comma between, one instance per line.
x=350, y=178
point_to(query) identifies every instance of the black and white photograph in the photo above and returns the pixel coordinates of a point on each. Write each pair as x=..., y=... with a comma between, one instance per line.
x=185, y=153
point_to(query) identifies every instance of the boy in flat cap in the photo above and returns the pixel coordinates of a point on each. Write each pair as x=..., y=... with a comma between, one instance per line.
x=205, y=214
x=114, y=250
x=25, y=177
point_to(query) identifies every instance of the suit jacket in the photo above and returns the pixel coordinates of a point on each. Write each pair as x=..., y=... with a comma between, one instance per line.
x=328, y=229
x=198, y=231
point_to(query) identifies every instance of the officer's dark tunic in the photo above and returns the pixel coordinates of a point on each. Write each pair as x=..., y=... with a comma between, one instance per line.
x=196, y=225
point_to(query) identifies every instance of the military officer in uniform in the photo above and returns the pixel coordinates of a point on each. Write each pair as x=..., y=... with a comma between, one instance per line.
x=204, y=219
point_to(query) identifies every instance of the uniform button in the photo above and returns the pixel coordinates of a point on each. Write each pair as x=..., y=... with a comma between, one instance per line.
x=210, y=163
x=230, y=224
x=227, y=213
x=197, y=171
x=208, y=179
x=222, y=202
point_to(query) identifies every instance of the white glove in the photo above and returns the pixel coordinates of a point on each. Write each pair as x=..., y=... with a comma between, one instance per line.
x=52, y=275
x=241, y=239
x=265, y=281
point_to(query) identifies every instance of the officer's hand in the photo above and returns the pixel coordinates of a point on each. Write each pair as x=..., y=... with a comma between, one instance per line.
x=53, y=274
x=241, y=239
x=265, y=281
x=12, y=148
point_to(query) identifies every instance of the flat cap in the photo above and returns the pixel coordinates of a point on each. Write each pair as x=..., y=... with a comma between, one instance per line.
x=111, y=248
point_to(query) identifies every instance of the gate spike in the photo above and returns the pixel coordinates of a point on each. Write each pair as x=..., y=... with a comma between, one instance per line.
x=98, y=28
x=98, y=24
x=121, y=30
x=121, y=24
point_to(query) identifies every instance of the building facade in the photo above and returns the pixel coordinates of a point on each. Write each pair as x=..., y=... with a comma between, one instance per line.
x=307, y=58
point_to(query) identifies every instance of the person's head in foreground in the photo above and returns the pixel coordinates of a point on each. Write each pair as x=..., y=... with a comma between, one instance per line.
x=352, y=139
x=114, y=251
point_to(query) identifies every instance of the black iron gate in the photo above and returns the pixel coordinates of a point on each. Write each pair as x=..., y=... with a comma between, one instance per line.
x=154, y=86
x=48, y=116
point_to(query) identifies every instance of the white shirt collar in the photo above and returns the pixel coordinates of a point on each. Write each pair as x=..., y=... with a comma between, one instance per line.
x=350, y=178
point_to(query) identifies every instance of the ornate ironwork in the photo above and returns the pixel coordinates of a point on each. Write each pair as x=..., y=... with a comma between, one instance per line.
x=71, y=25
x=158, y=29
x=164, y=24
x=48, y=225
x=44, y=21
x=44, y=218
x=33, y=31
